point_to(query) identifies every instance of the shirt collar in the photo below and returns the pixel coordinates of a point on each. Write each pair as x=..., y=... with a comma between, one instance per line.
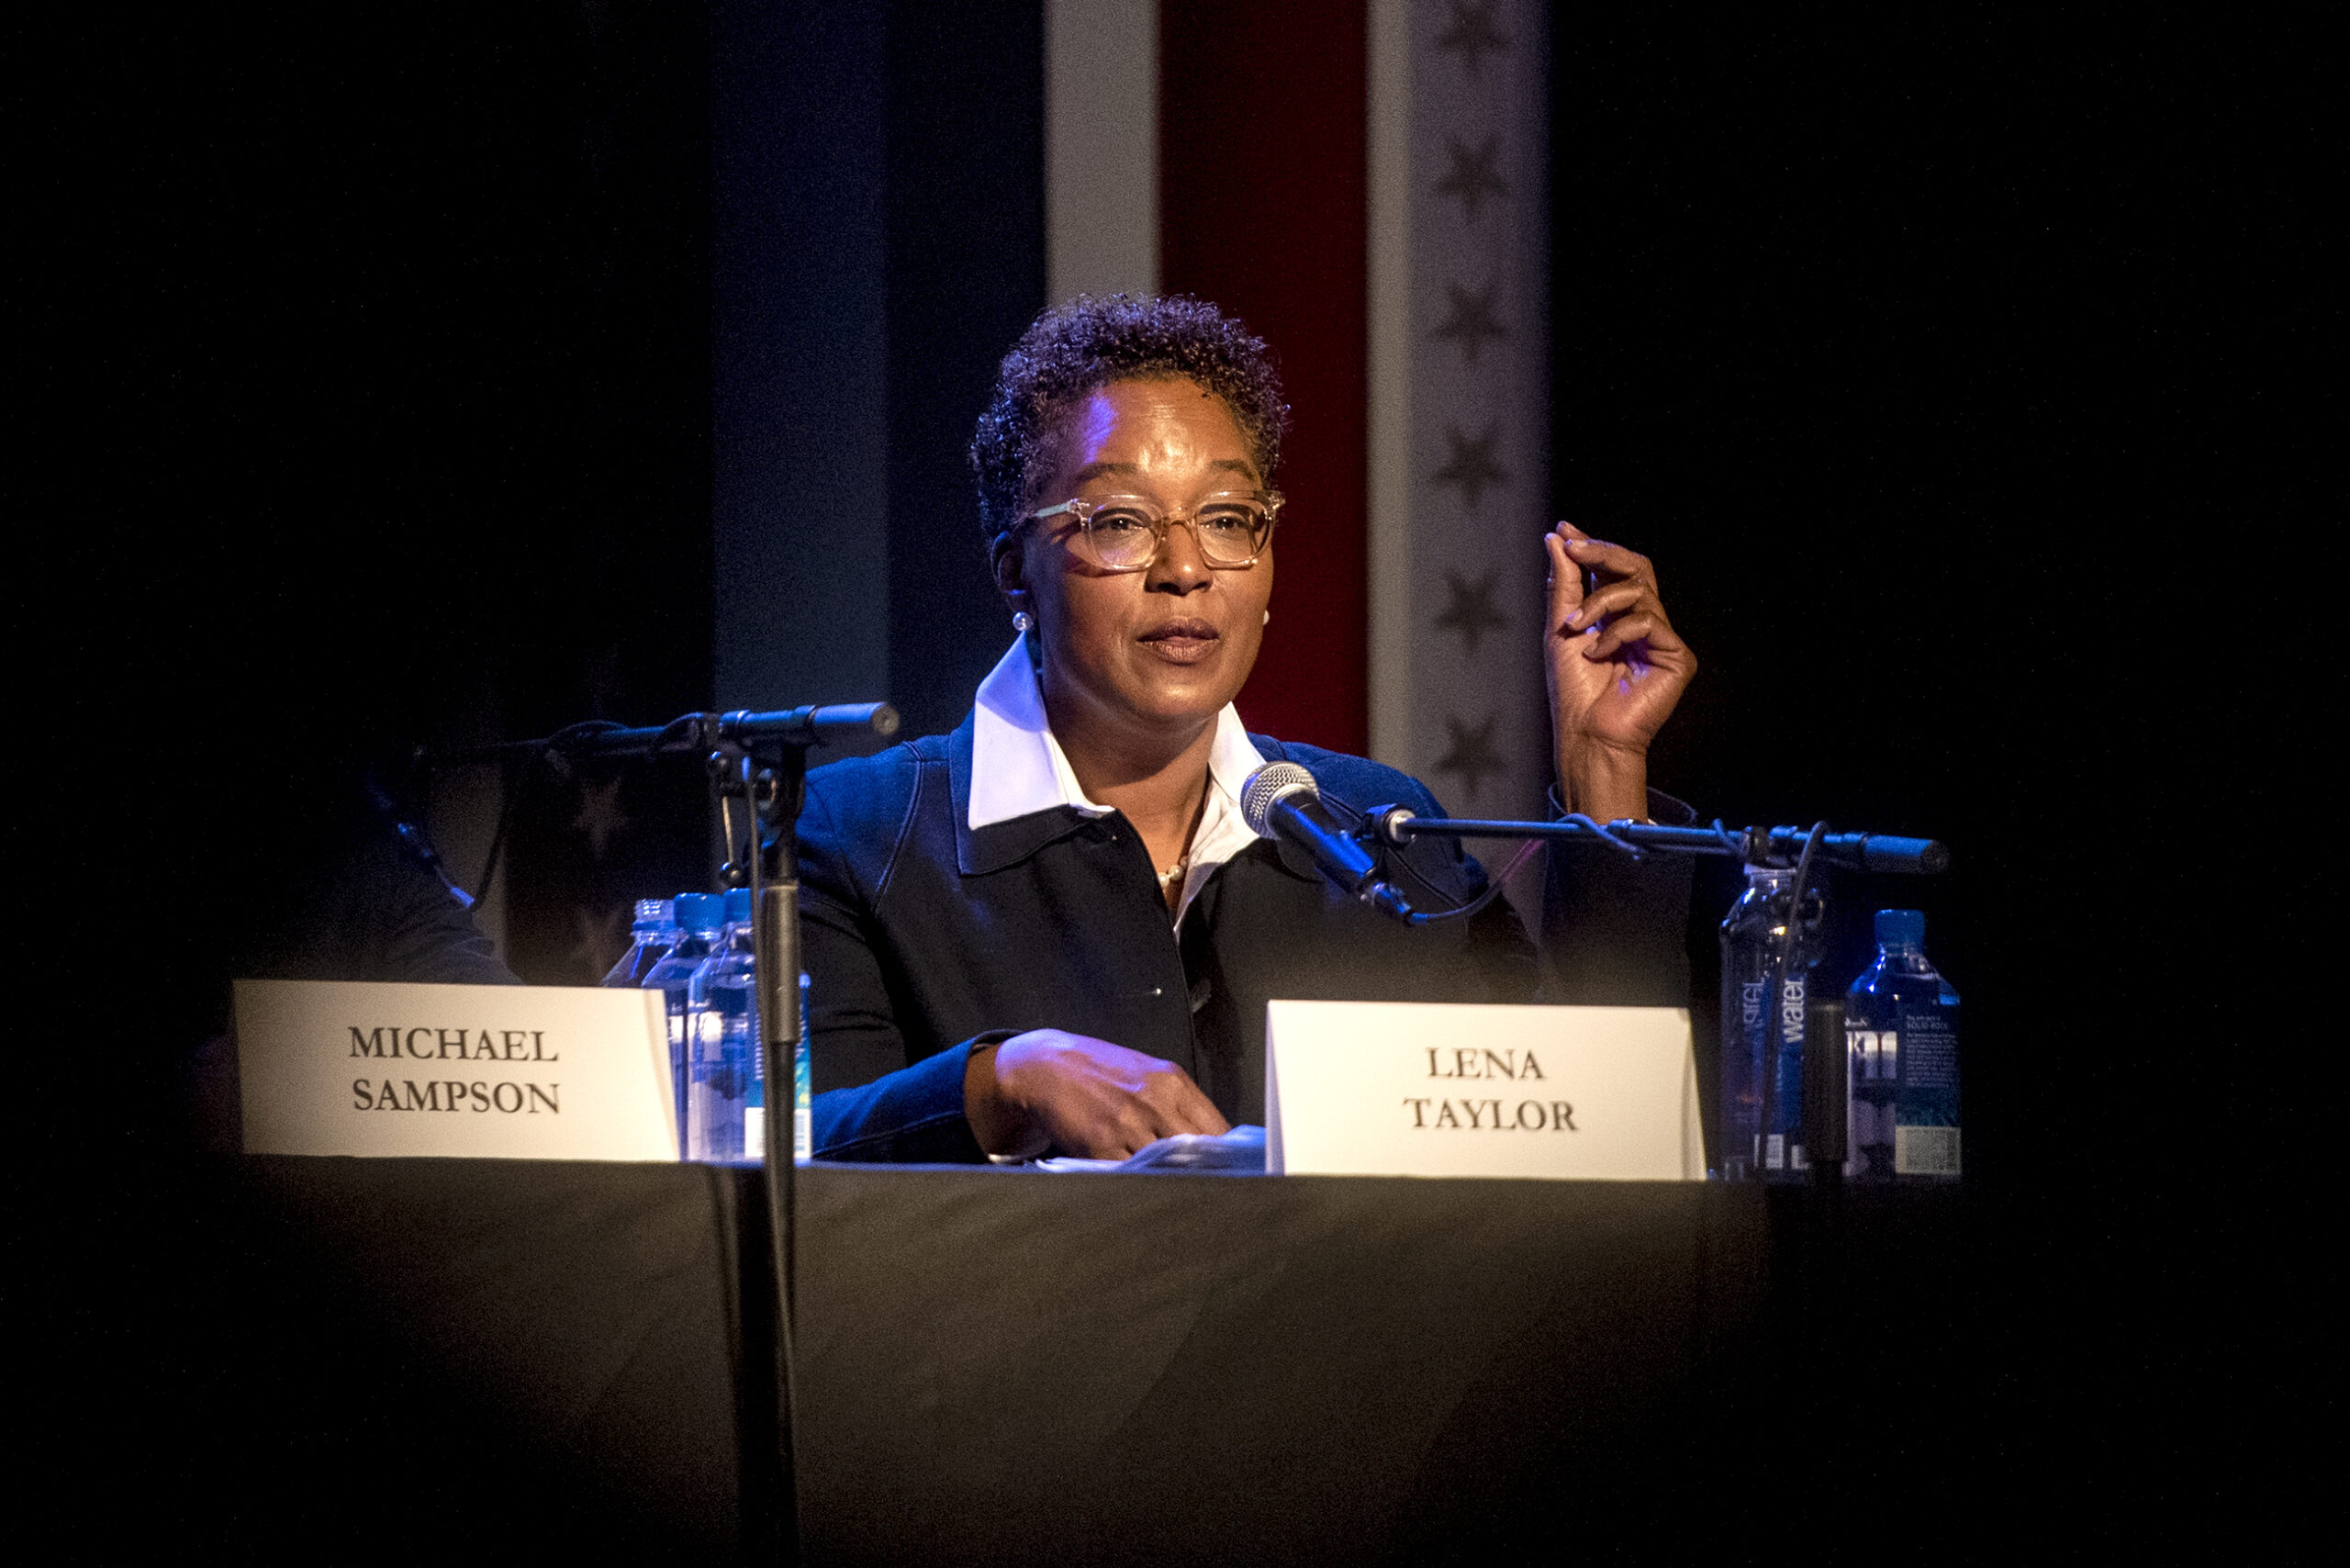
x=1223, y=831
x=1018, y=767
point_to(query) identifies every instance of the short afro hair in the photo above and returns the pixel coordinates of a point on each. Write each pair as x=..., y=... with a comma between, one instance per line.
x=1078, y=348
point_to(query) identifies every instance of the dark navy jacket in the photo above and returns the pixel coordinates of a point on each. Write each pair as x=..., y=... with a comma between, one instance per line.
x=922, y=935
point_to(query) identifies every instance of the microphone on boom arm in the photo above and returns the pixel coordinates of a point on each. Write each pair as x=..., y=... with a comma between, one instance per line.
x=1281, y=801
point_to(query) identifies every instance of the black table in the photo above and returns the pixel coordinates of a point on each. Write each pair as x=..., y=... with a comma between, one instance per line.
x=1028, y=1367
x=380, y=1357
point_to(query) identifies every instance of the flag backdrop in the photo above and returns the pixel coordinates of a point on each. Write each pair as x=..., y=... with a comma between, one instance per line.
x=1363, y=186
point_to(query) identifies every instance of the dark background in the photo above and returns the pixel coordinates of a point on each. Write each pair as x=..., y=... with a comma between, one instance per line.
x=1967, y=364
x=1969, y=367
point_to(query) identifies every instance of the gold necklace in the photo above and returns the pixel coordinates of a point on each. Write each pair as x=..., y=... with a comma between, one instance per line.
x=1166, y=878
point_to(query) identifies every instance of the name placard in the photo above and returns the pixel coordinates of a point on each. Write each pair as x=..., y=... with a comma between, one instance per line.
x=482, y=1072
x=1428, y=1089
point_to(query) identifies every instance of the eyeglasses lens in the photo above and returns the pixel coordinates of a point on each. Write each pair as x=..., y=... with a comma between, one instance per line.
x=1125, y=535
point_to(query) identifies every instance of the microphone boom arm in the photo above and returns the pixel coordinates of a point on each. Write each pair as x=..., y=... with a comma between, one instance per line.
x=797, y=728
x=1395, y=827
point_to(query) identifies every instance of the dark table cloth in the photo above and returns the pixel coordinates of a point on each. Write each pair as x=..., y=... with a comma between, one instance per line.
x=1013, y=1367
x=365, y=1360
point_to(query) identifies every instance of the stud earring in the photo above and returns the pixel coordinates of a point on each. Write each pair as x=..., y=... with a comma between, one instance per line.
x=1023, y=623
x=1267, y=619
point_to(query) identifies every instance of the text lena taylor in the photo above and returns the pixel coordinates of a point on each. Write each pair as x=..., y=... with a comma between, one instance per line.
x=428, y=1044
x=1468, y=1115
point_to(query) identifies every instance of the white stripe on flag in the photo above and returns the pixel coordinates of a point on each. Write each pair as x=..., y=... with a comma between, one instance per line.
x=1100, y=146
x=1459, y=394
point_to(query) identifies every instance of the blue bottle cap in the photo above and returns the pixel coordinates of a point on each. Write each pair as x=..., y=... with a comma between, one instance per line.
x=699, y=912
x=1900, y=928
x=738, y=905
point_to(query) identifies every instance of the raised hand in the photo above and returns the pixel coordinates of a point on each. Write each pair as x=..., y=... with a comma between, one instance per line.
x=1051, y=1090
x=1617, y=669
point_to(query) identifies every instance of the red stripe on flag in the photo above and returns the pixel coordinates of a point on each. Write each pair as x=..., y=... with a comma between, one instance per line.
x=1263, y=206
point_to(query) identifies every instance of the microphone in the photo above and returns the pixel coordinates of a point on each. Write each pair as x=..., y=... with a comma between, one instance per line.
x=811, y=726
x=1281, y=801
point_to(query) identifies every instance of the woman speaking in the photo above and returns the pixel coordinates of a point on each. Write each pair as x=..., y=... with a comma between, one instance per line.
x=1052, y=930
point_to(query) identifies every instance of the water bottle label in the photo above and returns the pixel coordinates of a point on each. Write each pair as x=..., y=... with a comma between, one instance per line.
x=1925, y=1135
x=1925, y=1151
x=1875, y=1054
x=1930, y=1046
x=803, y=1119
x=1765, y=990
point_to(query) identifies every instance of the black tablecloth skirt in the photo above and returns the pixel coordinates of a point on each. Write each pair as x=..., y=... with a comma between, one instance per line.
x=369, y=1360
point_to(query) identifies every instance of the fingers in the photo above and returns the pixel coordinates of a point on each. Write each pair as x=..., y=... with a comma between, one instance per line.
x=1100, y=1100
x=1616, y=598
x=1623, y=609
x=1618, y=616
x=1596, y=555
x=1566, y=580
x=1183, y=1107
x=1110, y=1132
x=1645, y=632
x=1165, y=1103
x=1130, y=1124
x=1621, y=580
x=1612, y=563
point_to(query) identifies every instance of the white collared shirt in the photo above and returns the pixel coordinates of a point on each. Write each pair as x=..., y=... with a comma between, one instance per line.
x=1018, y=767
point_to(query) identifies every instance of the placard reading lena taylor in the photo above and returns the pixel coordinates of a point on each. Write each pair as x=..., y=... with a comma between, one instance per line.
x=512, y=1072
x=1448, y=1089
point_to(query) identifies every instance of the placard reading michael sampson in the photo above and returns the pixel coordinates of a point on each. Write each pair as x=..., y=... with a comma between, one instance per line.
x=514, y=1072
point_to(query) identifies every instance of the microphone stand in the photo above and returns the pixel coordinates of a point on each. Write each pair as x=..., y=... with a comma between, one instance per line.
x=760, y=758
x=1395, y=827
x=1801, y=849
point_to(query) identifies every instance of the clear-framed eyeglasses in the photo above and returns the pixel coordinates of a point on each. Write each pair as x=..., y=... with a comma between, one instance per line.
x=1126, y=533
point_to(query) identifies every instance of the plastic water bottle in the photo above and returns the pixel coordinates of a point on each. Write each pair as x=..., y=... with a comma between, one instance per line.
x=803, y=1112
x=650, y=939
x=1901, y=1041
x=1762, y=1026
x=700, y=917
x=722, y=1074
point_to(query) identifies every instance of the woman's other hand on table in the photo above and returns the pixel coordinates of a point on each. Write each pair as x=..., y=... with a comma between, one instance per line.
x=1051, y=1090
